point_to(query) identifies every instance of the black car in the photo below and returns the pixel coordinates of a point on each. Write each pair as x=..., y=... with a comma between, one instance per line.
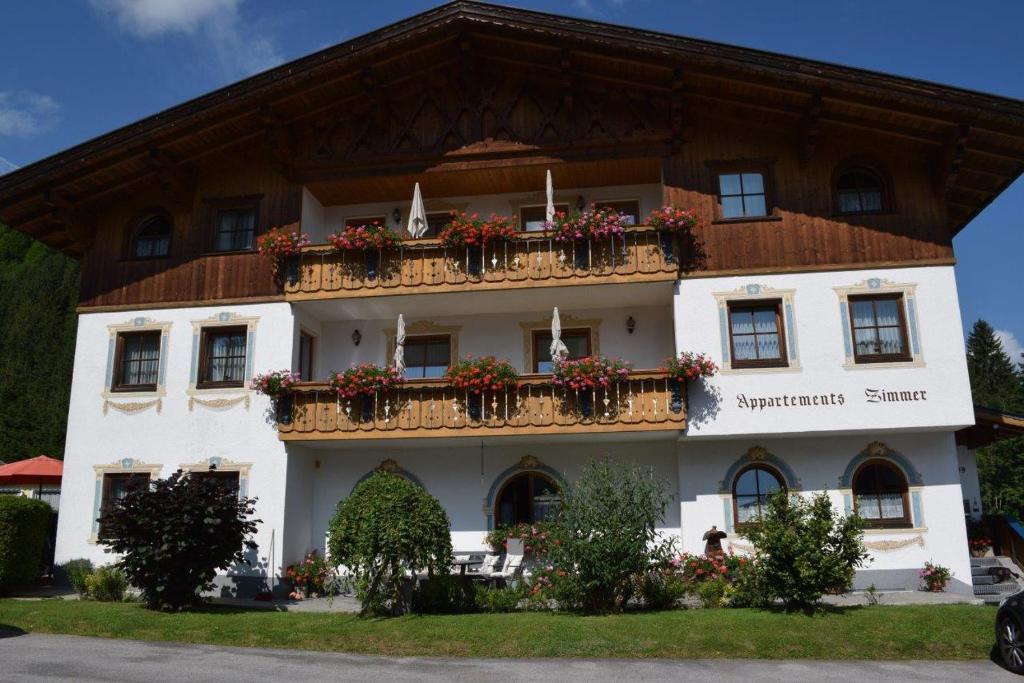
x=1010, y=632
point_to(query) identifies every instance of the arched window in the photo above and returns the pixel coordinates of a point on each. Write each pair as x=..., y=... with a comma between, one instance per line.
x=880, y=494
x=750, y=491
x=527, y=497
x=153, y=237
x=859, y=190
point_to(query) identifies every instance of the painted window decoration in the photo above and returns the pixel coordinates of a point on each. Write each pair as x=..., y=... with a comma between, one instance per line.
x=628, y=210
x=750, y=492
x=115, y=486
x=223, y=355
x=576, y=340
x=880, y=494
x=879, y=327
x=756, y=334
x=528, y=497
x=532, y=218
x=153, y=239
x=427, y=356
x=742, y=195
x=859, y=190
x=235, y=229
x=137, y=361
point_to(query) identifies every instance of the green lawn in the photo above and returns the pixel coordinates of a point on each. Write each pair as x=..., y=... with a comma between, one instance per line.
x=918, y=632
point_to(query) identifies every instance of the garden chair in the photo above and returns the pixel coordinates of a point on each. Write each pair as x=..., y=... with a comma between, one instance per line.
x=487, y=567
x=513, y=563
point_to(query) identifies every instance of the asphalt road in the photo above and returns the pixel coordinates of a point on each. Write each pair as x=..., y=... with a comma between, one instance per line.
x=70, y=658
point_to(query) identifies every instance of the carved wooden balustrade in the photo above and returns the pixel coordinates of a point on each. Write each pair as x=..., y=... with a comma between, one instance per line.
x=642, y=254
x=646, y=401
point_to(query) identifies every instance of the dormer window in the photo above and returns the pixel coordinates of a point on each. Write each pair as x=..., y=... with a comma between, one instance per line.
x=153, y=237
x=859, y=190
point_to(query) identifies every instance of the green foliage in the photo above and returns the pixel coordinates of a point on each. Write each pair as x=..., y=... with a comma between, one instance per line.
x=995, y=382
x=38, y=297
x=107, y=584
x=712, y=592
x=659, y=589
x=24, y=528
x=805, y=548
x=1001, y=475
x=538, y=538
x=500, y=600
x=78, y=573
x=175, y=534
x=609, y=516
x=444, y=594
x=387, y=527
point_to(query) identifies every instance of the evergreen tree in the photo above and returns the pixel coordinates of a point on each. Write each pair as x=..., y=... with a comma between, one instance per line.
x=1001, y=475
x=994, y=380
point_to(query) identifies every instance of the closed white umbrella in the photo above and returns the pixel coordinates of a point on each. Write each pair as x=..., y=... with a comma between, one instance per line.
x=549, y=212
x=400, y=345
x=558, y=348
x=417, y=226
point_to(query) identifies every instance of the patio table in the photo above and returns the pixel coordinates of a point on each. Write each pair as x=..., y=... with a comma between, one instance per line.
x=463, y=564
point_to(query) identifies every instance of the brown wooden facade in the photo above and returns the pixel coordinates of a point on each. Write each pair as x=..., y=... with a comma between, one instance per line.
x=472, y=99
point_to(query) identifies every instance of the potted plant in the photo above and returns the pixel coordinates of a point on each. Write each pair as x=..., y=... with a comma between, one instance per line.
x=477, y=375
x=369, y=239
x=979, y=546
x=686, y=367
x=586, y=375
x=284, y=246
x=308, y=577
x=365, y=381
x=670, y=221
x=474, y=233
x=582, y=228
x=277, y=384
x=935, y=577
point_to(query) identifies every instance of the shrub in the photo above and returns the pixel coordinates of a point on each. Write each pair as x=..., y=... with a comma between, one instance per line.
x=444, y=594
x=609, y=516
x=176, y=534
x=387, y=527
x=24, y=529
x=106, y=584
x=712, y=592
x=495, y=600
x=538, y=538
x=660, y=589
x=935, y=576
x=78, y=572
x=805, y=548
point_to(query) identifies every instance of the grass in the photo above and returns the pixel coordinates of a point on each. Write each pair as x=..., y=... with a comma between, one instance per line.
x=879, y=632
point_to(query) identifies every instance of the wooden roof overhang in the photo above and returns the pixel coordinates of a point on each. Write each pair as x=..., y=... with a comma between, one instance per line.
x=990, y=426
x=975, y=140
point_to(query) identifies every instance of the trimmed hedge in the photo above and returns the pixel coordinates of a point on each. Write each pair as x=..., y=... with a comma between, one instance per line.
x=24, y=525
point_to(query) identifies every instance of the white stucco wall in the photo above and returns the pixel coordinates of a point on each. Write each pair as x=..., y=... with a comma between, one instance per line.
x=735, y=401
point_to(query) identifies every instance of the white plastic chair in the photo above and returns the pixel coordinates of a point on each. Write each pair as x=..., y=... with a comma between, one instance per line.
x=513, y=562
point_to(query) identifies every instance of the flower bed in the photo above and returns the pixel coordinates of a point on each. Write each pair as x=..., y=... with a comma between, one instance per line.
x=469, y=230
x=592, y=372
x=476, y=375
x=365, y=380
x=277, y=243
x=364, y=238
x=689, y=366
x=589, y=225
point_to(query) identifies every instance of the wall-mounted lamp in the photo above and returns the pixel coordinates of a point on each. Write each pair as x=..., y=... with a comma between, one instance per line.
x=396, y=216
x=580, y=204
x=630, y=324
x=356, y=337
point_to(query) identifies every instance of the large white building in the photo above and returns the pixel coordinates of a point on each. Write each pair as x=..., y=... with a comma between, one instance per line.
x=820, y=280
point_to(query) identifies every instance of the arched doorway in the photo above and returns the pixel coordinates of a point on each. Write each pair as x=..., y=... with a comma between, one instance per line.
x=527, y=497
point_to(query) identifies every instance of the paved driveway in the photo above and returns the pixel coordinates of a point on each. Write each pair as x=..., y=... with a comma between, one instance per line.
x=71, y=658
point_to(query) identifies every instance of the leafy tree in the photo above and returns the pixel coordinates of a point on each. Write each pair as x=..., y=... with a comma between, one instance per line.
x=176, y=533
x=609, y=517
x=24, y=528
x=994, y=379
x=1001, y=475
x=805, y=549
x=385, y=529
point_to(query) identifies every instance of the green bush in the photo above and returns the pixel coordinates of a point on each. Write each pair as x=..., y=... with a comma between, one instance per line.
x=174, y=535
x=386, y=529
x=78, y=572
x=107, y=584
x=24, y=528
x=659, y=589
x=712, y=592
x=749, y=587
x=444, y=594
x=609, y=517
x=806, y=549
x=505, y=599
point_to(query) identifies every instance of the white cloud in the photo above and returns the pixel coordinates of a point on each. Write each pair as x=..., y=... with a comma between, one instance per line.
x=598, y=6
x=218, y=24
x=1011, y=344
x=24, y=114
x=7, y=166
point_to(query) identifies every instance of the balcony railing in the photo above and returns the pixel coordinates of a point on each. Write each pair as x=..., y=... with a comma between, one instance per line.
x=646, y=401
x=642, y=254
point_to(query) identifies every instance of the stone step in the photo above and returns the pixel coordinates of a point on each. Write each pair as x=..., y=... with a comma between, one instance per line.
x=995, y=588
x=977, y=570
x=983, y=580
x=985, y=562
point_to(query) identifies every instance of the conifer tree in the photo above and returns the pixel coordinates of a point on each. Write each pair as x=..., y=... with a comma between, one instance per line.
x=994, y=379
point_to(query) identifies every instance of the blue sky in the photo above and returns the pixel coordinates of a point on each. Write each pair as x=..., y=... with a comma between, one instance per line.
x=77, y=68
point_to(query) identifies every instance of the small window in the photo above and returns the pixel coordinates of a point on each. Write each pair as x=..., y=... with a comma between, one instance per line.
x=533, y=218
x=228, y=479
x=306, y=346
x=236, y=229
x=115, y=486
x=859, y=190
x=369, y=220
x=742, y=195
x=427, y=356
x=629, y=210
x=153, y=238
x=137, y=361
x=577, y=341
x=880, y=494
x=879, y=328
x=750, y=492
x=756, y=334
x=436, y=222
x=526, y=498
x=223, y=357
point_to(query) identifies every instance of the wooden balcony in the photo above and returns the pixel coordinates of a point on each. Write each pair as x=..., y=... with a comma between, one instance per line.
x=647, y=401
x=530, y=260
